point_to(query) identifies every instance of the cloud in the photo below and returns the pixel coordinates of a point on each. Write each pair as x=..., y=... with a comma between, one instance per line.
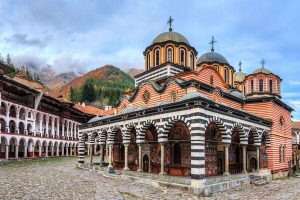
x=22, y=39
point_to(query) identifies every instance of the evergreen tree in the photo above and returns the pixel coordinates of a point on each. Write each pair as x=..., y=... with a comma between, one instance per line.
x=72, y=95
x=88, y=92
x=9, y=62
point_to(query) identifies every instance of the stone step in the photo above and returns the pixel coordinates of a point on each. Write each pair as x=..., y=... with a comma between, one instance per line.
x=260, y=182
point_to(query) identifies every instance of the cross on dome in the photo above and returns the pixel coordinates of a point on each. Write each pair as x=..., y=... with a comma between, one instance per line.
x=213, y=41
x=170, y=23
x=262, y=62
x=240, y=66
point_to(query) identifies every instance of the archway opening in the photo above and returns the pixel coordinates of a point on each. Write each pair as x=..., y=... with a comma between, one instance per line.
x=214, y=151
x=12, y=147
x=151, y=148
x=3, y=147
x=21, y=128
x=178, y=150
x=12, y=126
x=235, y=153
x=251, y=152
x=118, y=151
x=22, y=146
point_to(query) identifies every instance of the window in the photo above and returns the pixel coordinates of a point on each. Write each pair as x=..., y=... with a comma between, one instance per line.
x=191, y=60
x=211, y=80
x=169, y=54
x=271, y=86
x=226, y=75
x=281, y=123
x=176, y=153
x=283, y=153
x=182, y=57
x=280, y=154
x=216, y=67
x=252, y=85
x=244, y=90
x=146, y=96
x=261, y=85
x=156, y=57
x=148, y=60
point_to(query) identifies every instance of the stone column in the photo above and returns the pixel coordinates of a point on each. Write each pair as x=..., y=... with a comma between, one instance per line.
x=25, y=151
x=6, y=152
x=40, y=151
x=162, y=159
x=46, y=151
x=67, y=151
x=71, y=151
x=33, y=150
x=140, y=157
x=226, y=171
x=62, y=151
x=101, y=154
x=52, y=151
x=244, y=158
x=126, y=157
x=17, y=151
x=88, y=153
x=57, y=150
x=110, y=166
x=91, y=150
x=257, y=157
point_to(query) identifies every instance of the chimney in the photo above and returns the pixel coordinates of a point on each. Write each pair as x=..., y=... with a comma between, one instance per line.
x=83, y=104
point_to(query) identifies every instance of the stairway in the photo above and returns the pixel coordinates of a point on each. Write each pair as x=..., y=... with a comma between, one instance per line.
x=257, y=180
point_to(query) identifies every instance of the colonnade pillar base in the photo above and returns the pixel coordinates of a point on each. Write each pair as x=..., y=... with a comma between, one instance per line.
x=110, y=170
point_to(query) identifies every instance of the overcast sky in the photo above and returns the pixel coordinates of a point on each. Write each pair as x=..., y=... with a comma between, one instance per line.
x=83, y=35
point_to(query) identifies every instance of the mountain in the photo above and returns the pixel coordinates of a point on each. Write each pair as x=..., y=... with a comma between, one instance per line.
x=54, y=82
x=133, y=71
x=104, y=85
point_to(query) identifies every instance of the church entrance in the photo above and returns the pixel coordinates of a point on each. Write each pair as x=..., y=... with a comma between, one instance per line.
x=214, y=151
x=253, y=164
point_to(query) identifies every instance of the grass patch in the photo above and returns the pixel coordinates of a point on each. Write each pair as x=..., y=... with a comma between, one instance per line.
x=28, y=162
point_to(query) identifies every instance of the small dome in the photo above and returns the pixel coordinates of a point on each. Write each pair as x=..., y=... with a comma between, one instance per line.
x=170, y=36
x=236, y=93
x=192, y=95
x=211, y=57
x=94, y=119
x=262, y=70
x=239, y=76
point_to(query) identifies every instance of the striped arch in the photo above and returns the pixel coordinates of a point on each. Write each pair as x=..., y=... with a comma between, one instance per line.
x=241, y=131
x=220, y=124
x=103, y=135
x=93, y=136
x=81, y=146
x=163, y=137
x=111, y=136
x=127, y=131
x=256, y=135
x=141, y=134
x=268, y=139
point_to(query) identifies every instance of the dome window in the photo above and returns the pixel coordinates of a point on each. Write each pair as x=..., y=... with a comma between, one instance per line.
x=169, y=54
x=271, y=86
x=216, y=67
x=192, y=60
x=252, y=85
x=156, y=57
x=226, y=75
x=182, y=57
x=148, y=60
x=244, y=88
x=261, y=85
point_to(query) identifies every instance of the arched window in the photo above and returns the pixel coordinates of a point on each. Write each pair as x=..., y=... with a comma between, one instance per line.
x=182, y=57
x=226, y=75
x=280, y=154
x=211, y=80
x=177, y=153
x=169, y=54
x=281, y=123
x=252, y=85
x=156, y=57
x=192, y=60
x=271, y=86
x=261, y=85
x=148, y=60
x=244, y=89
x=173, y=96
x=216, y=67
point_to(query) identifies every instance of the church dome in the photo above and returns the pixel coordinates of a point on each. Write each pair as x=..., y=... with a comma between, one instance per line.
x=239, y=76
x=211, y=57
x=262, y=70
x=170, y=36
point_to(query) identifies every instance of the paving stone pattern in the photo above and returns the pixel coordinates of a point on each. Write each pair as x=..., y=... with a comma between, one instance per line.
x=61, y=180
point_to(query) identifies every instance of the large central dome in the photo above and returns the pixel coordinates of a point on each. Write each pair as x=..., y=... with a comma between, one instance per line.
x=170, y=36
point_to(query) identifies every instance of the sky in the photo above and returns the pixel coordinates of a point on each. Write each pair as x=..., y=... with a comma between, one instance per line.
x=79, y=35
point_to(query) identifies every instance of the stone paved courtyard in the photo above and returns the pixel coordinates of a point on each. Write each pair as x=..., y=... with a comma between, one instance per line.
x=59, y=179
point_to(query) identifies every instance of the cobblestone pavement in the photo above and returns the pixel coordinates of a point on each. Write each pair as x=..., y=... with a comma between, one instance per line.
x=59, y=179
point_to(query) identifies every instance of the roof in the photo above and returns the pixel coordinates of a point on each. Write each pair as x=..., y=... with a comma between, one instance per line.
x=5, y=69
x=211, y=57
x=262, y=70
x=296, y=125
x=34, y=85
x=93, y=110
x=237, y=94
x=170, y=36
